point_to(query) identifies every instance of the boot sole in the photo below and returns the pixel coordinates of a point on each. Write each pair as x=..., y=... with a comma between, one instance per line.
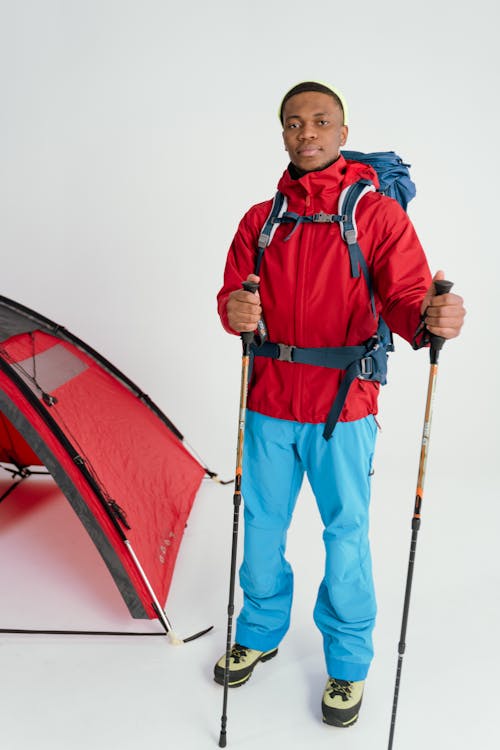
x=219, y=674
x=337, y=721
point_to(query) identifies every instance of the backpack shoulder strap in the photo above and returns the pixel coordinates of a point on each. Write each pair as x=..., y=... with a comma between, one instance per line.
x=271, y=224
x=348, y=202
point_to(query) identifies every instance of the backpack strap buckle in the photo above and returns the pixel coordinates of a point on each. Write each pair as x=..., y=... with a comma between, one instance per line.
x=350, y=236
x=367, y=369
x=285, y=352
x=324, y=218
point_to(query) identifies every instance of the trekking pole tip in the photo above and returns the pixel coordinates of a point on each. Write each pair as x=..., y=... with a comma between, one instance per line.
x=222, y=739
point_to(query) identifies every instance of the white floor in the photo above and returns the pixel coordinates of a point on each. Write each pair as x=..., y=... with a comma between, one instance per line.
x=102, y=693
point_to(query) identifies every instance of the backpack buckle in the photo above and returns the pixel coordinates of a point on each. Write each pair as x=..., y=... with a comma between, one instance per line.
x=367, y=368
x=321, y=218
x=263, y=240
x=285, y=352
x=350, y=236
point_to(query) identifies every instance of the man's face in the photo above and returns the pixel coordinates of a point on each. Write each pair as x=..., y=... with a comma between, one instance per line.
x=312, y=130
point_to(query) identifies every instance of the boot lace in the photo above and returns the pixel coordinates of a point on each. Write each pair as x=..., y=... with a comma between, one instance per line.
x=238, y=653
x=342, y=688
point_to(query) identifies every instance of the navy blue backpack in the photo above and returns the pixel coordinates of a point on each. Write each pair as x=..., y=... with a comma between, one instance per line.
x=392, y=172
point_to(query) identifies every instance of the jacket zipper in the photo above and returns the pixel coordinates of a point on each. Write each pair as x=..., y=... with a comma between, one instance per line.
x=300, y=312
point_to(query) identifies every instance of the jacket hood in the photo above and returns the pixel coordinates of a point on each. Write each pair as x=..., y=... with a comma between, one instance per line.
x=334, y=178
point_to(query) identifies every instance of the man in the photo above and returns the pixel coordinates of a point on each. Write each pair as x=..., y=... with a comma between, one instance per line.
x=310, y=299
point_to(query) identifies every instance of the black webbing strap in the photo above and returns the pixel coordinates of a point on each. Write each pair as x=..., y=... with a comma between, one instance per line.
x=289, y=217
x=339, y=357
x=351, y=373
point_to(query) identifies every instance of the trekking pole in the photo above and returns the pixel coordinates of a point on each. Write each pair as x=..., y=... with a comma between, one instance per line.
x=247, y=338
x=441, y=287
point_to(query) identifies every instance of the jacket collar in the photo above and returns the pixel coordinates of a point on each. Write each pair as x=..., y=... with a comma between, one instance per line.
x=332, y=179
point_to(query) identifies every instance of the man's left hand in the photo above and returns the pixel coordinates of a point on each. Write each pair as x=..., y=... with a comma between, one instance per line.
x=444, y=314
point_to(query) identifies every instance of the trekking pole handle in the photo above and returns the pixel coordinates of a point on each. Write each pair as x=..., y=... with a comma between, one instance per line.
x=248, y=337
x=437, y=342
x=250, y=286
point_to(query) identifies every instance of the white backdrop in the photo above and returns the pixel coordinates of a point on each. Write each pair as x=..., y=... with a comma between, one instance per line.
x=134, y=135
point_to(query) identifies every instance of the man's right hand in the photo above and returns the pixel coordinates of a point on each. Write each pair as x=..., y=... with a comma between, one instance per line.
x=243, y=308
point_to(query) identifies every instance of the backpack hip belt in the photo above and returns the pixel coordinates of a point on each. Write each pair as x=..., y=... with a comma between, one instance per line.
x=366, y=362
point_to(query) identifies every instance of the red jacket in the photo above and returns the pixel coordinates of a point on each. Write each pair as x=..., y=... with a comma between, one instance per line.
x=309, y=298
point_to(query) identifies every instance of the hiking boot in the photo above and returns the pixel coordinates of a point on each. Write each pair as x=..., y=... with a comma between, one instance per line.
x=341, y=702
x=242, y=661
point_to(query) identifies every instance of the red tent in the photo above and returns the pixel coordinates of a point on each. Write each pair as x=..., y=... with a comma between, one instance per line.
x=119, y=460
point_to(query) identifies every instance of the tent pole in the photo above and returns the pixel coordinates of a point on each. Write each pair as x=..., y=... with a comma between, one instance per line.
x=159, y=610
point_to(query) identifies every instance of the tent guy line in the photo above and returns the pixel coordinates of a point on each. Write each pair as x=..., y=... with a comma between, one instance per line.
x=26, y=631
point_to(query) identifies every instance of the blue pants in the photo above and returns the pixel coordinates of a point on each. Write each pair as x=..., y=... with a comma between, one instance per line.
x=277, y=452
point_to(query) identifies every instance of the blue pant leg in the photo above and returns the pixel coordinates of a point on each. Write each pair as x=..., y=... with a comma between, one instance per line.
x=339, y=472
x=272, y=476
